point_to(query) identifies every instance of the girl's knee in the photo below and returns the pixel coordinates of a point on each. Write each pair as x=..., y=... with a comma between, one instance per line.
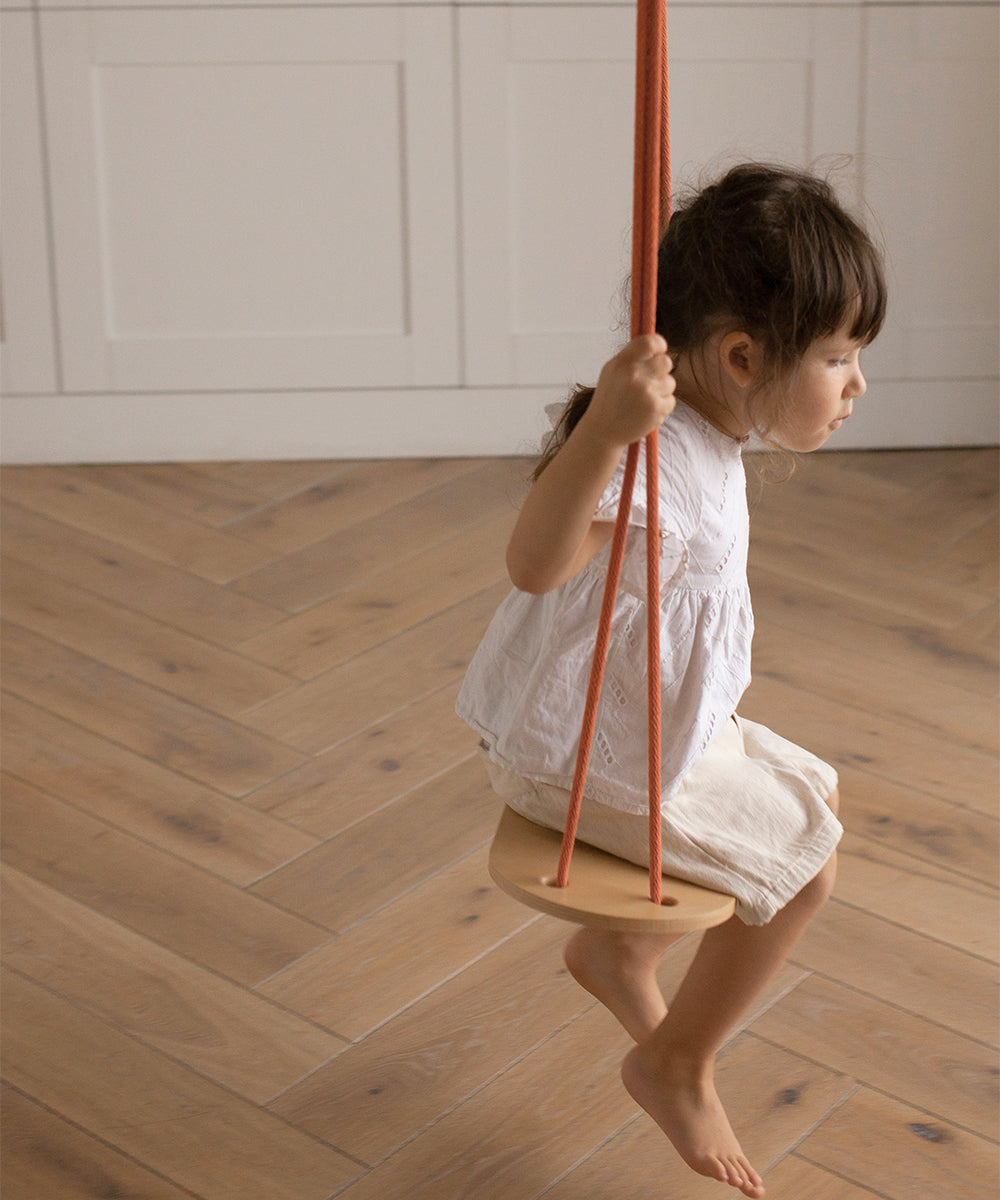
x=833, y=801
x=820, y=888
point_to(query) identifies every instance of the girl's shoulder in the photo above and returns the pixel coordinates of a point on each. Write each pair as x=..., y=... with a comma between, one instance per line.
x=696, y=461
x=694, y=435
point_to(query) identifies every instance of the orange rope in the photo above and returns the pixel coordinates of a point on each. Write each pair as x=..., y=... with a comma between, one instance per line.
x=654, y=220
x=651, y=210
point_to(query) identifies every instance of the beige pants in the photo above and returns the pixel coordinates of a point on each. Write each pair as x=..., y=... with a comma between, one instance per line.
x=750, y=819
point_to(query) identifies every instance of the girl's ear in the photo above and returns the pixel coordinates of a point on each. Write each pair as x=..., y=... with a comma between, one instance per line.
x=740, y=358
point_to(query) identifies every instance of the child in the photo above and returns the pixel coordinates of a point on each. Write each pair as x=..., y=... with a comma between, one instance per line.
x=767, y=293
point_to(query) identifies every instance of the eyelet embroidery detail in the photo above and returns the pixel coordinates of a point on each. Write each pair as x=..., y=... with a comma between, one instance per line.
x=603, y=749
x=708, y=735
x=721, y=566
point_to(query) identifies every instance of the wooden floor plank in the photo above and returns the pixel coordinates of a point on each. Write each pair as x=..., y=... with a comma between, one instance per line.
x=141, y=797
x=494, y=1147
x=346, y=558
x=45, y=1156
x=358, y=980
x=183, y=909
x=401, y=597
x=970, y=560
x=928, y=978
x=845, y=527
x=855, y=738
x=889, y=689
x=66, y=496
x=342, y=881
x=899, y=1151
x=944, y=834
x=825, y=486
x=174, y=487
x=951, y=491
x=180, y=865
x=166, y=593
x=795, y=1179
x=215, y=678
x=869, y=517
x=270, y=480
x=173, y=732
x=152, y=1109
x=910, y=597
x=887, y=1049
x=915, y=467
x=876, y=632
x=357, y=694
x=431, y=1056
x=222, y=1031
x=342, y=500
x=916, y=895
x=371, y=769
x=975, y=640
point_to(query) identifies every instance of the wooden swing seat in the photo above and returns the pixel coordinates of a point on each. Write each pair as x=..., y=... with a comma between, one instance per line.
x=604, y=892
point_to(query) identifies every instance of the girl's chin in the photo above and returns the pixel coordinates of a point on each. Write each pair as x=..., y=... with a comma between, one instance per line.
x=807, y=442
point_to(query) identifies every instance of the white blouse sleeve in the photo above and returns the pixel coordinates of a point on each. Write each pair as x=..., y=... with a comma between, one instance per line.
x=679, y=509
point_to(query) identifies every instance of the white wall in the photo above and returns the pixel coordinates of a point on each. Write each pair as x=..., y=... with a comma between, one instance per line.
x=236, y=231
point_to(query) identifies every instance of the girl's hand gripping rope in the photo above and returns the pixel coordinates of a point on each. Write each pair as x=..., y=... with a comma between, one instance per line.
x=556, y=534
x=634, y=394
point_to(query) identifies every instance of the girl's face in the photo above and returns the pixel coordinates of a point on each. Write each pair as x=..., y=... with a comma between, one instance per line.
x=821, y=394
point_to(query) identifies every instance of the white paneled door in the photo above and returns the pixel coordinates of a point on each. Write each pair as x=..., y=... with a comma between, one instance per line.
x=241, y=202
x=27, y=342
x=546, y=104
x=366, y=230
x=931, y=134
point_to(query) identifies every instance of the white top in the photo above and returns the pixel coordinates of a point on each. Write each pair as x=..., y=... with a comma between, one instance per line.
x=525, y=688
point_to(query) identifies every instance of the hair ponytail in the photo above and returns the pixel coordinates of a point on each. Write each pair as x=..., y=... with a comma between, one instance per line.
x=576, y=406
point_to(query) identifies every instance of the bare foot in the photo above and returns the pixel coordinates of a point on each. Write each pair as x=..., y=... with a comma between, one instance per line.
x=620, y=970
x=688, y=1110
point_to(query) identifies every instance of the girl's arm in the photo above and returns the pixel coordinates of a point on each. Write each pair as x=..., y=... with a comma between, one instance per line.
x=556, y=533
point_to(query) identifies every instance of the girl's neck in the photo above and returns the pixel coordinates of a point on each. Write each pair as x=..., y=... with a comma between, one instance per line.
x=707, y=397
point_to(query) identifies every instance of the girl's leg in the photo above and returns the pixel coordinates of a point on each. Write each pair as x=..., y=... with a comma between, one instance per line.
x=671, y=1074
x=620, y=970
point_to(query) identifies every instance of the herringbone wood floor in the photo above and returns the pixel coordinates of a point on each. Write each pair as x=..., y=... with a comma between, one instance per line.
x=251, y=949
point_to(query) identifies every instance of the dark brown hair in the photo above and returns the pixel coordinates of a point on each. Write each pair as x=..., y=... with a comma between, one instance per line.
x=769, y=251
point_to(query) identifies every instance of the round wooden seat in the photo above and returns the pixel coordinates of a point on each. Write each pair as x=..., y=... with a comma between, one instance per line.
x=603, y=891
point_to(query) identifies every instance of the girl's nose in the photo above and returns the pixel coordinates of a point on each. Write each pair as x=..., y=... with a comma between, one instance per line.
x=857, y=385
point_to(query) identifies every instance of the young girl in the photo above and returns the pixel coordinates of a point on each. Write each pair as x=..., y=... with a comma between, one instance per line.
x=767, y=293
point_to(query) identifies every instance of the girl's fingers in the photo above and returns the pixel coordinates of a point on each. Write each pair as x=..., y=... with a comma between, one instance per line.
x=653, y=353
x=646, y=346
x=635, y=391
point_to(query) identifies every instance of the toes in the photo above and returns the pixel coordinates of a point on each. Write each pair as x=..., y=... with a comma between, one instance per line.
x=714, y=1168
x=741, y=1175
x=749, y=1188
